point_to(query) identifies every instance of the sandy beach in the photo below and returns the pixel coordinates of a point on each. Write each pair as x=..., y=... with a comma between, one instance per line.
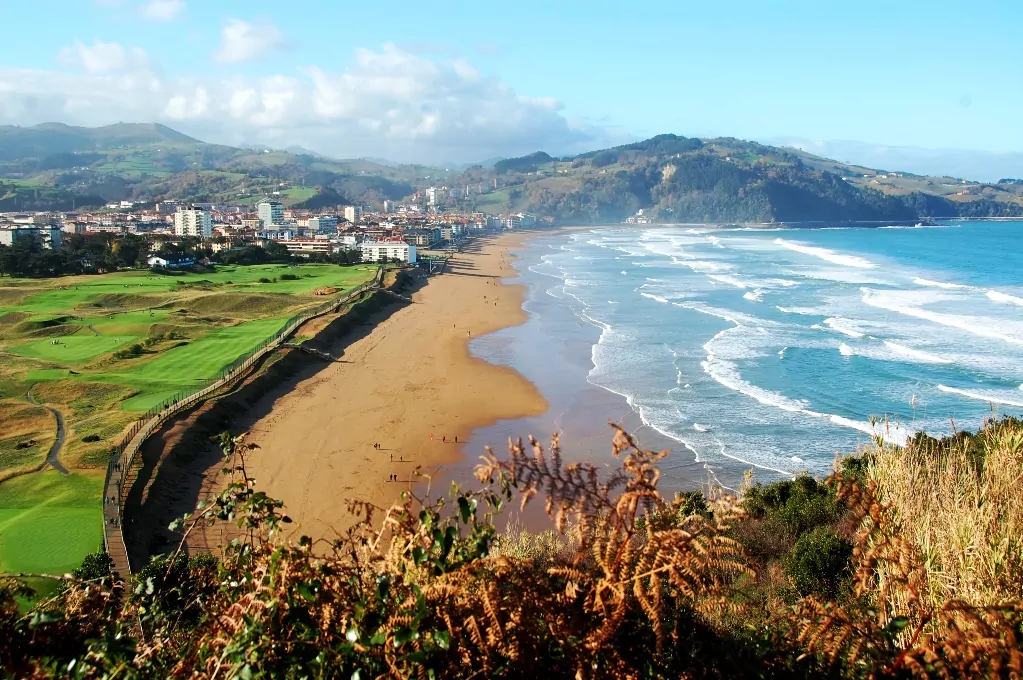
x=410, y=385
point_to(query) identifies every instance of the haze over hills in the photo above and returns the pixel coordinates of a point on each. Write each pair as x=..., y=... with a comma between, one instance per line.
x=672, y=178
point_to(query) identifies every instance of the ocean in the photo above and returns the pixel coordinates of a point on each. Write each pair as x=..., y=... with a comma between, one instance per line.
x=772, y=350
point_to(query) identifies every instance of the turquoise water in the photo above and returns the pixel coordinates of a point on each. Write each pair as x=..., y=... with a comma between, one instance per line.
x=775, y=349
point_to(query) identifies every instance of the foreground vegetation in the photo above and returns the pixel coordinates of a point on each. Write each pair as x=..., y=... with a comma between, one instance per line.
x=906, y=562
x=103, y=350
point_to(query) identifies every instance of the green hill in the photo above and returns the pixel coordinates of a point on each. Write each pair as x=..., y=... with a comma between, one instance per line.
x=54, y=166
x=670, y=177
x=675, y=178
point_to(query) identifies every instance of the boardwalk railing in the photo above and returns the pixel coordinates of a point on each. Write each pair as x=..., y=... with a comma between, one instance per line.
x=122, y=455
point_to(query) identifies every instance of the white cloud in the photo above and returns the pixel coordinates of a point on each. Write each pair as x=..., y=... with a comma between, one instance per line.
x=102, y=57
x=389, y=103
x=163, y=10
x=241, y=41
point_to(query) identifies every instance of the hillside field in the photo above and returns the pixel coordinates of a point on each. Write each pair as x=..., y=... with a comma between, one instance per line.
x=103, y=350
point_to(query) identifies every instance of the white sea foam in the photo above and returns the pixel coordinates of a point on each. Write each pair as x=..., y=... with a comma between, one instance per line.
x=974, y=325
x=698, y=265
x=781, y=352
x=998, y=296
x=915, y=354
x=726, y=373
x=888, y=431
x=700, y=428
x=730, y=280
x=844, y=326
x=737, y=318
x=755, y=295
x=787, y=283
x=845, y=350
x=825, y=254
x=654, y=297
x=939, y=284
x=989, y=397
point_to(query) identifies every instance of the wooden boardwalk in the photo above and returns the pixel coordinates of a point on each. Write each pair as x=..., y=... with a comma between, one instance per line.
x=120, y=471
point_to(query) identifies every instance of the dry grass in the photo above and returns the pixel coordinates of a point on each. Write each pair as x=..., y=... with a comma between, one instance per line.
x=250, y=306
x=961, y=506
x=26, y=433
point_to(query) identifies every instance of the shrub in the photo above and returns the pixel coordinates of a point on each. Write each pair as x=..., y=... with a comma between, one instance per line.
x=429, y=588
x=135, y=350
x=263, y=279
x=289, y=277
x=95, y=566
x=90, y=438
x=800, y=504
x=819, y=562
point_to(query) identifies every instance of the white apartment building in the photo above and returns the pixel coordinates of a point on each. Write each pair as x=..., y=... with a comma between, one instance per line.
x=434, y=195
x=395, y=251
x=353, y=213
x=270, y=213
x=193, y=222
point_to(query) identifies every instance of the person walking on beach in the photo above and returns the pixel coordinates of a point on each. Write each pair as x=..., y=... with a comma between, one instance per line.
x=444, y=439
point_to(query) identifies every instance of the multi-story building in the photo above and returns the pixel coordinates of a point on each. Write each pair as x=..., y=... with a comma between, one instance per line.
x=193, y=222
x=353, y=214
x=325, y=224
x=48, y=237
x=271, y=213
x=434, y=195
x=304, y=247
x=394, y=251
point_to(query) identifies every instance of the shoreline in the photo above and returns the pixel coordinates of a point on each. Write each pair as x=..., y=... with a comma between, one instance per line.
x=410, y=385
x=553, y=350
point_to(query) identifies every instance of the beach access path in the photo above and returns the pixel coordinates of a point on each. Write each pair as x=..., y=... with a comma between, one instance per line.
x=409, y=385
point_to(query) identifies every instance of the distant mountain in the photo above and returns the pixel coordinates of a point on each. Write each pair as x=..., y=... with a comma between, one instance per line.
x=670, y=177
x=55, y=166
x=57, y=138
x=986, y=166
x=674, y=178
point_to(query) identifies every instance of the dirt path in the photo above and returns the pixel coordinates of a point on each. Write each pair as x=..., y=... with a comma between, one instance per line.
x=53, y=457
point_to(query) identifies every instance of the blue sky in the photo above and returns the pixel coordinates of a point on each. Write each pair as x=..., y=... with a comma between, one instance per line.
x=446, y=80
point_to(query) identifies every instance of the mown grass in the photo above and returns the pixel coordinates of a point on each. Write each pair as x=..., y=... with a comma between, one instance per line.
x=49, y=521
x=191, y=326
x=73, y=349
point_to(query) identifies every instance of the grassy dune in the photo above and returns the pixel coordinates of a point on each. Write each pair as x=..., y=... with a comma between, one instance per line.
x=69, y=341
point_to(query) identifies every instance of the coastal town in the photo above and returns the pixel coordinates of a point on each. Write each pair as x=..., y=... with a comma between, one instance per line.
x=180, y=234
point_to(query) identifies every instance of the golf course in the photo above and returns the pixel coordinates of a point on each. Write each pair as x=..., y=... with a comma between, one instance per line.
x=102, y=350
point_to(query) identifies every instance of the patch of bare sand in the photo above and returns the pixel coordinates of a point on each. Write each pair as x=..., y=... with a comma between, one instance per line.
x=411, y=378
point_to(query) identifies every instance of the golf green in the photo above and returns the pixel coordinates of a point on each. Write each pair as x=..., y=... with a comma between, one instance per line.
x=74, y=349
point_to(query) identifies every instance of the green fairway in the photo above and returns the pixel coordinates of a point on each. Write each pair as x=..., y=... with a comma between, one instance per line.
x=196, y=361
x=74, y=349
x=49, y=521
x=141, y=403
x=191, y=325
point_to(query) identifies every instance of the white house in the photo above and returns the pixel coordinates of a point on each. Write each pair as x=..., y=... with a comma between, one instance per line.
x=170, y=263
x=394, y=251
